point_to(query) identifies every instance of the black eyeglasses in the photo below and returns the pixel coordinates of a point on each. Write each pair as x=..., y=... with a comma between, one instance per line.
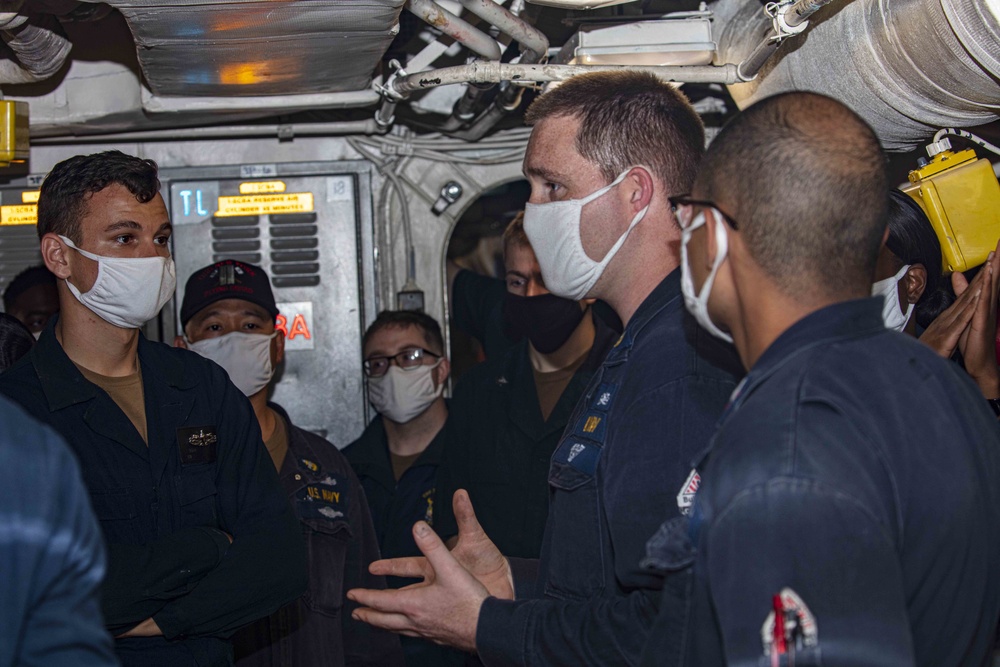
x=683, y=207
x=408, y=360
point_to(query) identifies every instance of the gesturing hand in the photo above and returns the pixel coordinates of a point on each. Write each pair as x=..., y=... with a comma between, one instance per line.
x=444, y=607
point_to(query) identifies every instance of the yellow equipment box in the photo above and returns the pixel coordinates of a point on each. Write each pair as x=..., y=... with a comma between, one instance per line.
x=14, y=137
x=961, y=197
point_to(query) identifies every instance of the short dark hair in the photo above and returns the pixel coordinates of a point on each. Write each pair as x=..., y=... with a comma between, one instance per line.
x=25, y=280
x=913, y=240
x=401, y=319
x=515, y=235
x=69, y=185
x=806, y=177
x=15, y=340
x=629, y=119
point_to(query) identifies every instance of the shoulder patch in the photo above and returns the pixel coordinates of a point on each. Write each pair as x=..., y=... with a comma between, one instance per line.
x=685, y=497
x=790, y=628
x=580, y=454
x=603, y=397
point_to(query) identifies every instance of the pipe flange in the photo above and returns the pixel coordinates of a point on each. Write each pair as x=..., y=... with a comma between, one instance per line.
x=388, y=90
x=776, y=11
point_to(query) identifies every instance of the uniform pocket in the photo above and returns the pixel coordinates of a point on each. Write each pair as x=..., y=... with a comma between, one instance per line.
x=577, y=569
x=574, y=463
x=115, y=509
x=197, y=495
x=326, y=546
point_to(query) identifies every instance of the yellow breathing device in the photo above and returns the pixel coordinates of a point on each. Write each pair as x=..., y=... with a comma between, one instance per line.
x=961, y=197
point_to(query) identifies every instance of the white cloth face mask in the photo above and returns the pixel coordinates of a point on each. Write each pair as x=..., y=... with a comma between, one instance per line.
x=888, y=288
x=554, y=232
x=245, y=356
x=401, y=395
x=129, y=291
x=697, y=304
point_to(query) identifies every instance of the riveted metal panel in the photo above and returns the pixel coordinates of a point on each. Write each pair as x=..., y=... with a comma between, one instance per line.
x=319, y=262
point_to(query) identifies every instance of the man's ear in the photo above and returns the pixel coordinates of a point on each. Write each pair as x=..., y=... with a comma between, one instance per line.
x=180, y=342
x=54, y=254
x=641, y=192
x=442, y=371
x=278, y=348
x=915, y=282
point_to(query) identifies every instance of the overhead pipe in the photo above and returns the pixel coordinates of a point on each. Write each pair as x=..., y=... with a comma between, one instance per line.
x=351, y=98
x=284, y=132
x=535, y=47
x=458, y=29
x=493, y=72
x=455, y=27
x=522, y=32
x=787, y=20
x=39, y=45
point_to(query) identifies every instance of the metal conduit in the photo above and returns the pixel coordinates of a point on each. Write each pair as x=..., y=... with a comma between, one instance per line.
x=458, y=29
x=526, y=35
x=493, y=72
x=285, y=132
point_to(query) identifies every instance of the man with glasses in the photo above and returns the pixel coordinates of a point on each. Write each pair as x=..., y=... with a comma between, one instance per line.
x=228, y=315
x=851, y=496
x=398, y=455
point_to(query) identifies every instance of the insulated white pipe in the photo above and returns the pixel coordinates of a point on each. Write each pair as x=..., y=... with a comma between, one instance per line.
x=520, y=31
x=460, y=30
x=493, y=72
x=353, y=98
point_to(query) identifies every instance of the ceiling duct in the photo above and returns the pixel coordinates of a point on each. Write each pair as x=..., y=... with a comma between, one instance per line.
x=34, y=44
x=259, y=47
x=908, y=67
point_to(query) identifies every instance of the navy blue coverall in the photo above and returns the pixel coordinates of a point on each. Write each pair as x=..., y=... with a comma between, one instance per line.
x=166, y=509
x=627, y=448
x=860, y=471
x=317, y=629
x=51, y=555
x=395, y=507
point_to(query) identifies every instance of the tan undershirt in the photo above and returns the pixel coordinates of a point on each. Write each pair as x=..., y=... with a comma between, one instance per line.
x=400, y=464
x=550, y=386
x=126, y=392
x=277, y=444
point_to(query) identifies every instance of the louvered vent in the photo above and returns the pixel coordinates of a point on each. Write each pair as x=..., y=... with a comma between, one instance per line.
x=294, y=250
x=236, y=238
x=18, y=251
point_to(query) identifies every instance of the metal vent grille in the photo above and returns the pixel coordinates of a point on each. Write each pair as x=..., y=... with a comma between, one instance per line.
x=18, y=251
x=294, y=250
x=236, y=238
